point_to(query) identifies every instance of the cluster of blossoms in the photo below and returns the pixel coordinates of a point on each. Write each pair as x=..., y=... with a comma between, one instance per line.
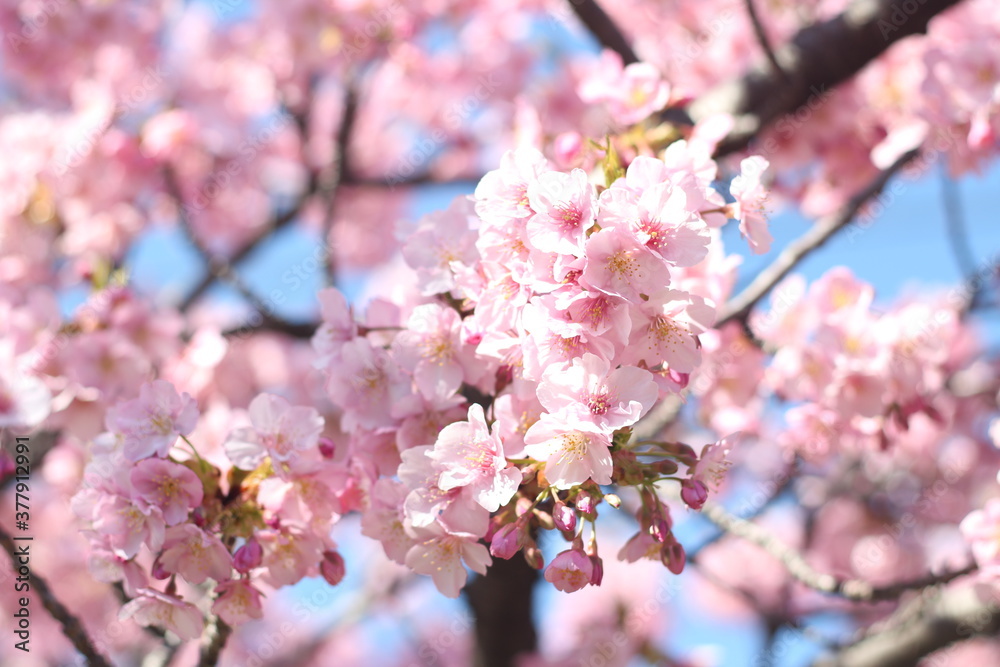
x=857, y=377
x=553, y=314
x=155, y=511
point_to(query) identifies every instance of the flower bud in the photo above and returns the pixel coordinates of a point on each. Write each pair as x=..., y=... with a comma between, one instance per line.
x=598, y=576
x=673, y=556
x=327, y=448
x=613, y=500
x=332, y=567
x=158, y=571
x=534, y=558
x=564, y=517
x=659, y=529
x=505, y=542
x=248, y=556
x=585, y=503
x=694, y=493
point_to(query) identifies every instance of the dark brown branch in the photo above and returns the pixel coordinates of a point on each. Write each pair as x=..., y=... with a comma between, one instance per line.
x=604, y=29
x=214, y=641
x=739, y=306
x=762, y=39
x=71, y=625
x=856, y=590
x=818, y=58
x=330, y=179
x=931, y=622
x=502, y=604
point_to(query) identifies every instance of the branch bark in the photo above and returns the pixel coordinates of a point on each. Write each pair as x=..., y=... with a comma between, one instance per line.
x=739, y=306
x=931, y=622
x=856, y=590
x=502, y=603
x=817, y=59
x=604, y=29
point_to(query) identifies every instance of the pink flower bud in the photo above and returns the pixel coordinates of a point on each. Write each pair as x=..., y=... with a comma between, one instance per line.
x=534, y=558
x=598, y=576
x=694, y=493
x=327, y=447
x=585, y=503
x=248, y=556
x=505, y=542
x=158, y=571
x=673, y=556
x=613, y=500
x=564, y=517
x=659, y=529
x=332, y=567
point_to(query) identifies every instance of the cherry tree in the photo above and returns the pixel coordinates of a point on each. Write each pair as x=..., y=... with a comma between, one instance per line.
x=559, y=398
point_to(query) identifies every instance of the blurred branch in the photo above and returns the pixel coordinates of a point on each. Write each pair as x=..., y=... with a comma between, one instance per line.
x=738, y=308
x=330, y=178
x=930, y=622
x=765, y=43
x=818, y=58
x=71, y=625
x=214, y=641
x=958, y=237
x=219, y=268
x=856, y=590
x=604, y=29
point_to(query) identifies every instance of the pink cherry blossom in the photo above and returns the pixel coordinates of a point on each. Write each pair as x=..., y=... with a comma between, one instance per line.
x=619, y=265
x=153, y=608
x=151, y=423
x=432, y=349
x=195, y=555
x=441, y=555
x=589, y=391
x=570, y=570
x=564, y=206
x=237, y=602
x=502, y=194
x=981, y=529
x=171, y=487
x=126, y=526
x=750, y=199
x=468, y=455
x=573, y=452
x=278, y=430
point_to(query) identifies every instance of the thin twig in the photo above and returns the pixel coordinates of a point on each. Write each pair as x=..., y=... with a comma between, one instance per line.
x=856, y=590
x=71, y=625
x=765, y=43
x=739, y=306
x=958, y=237
x=604, y=29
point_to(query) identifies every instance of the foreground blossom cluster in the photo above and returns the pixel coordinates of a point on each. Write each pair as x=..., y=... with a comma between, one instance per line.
x=155, y=511
x=553, y=313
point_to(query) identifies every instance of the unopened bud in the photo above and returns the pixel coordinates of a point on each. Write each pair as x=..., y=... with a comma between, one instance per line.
x=332, y=567
x=248, y=556
x=505, y=542
x=694, y=493
x=613, y=500
x=564, y=516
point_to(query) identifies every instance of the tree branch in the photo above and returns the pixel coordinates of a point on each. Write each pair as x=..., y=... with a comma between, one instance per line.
x=739, y=306
x=856, y=590
x=932, y=622
x=765, y=43
x=330, y=179
x=502, y=603
x=214, y=641
x=818, y=58
x=604, y=29
x=71, y=625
